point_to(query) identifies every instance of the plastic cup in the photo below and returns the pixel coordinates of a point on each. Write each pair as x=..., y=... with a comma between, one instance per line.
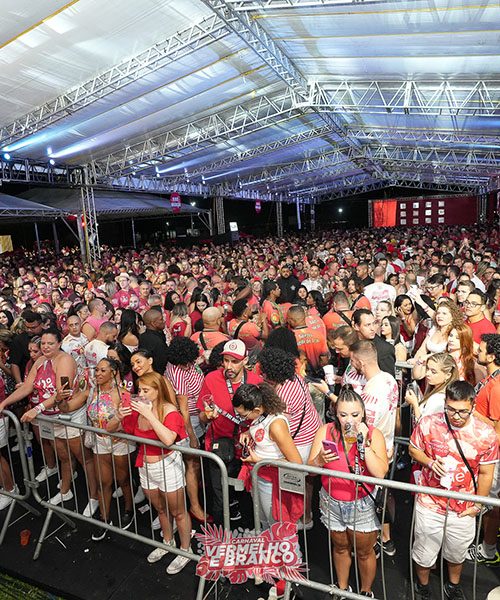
x=25, y=537
x=329, y=374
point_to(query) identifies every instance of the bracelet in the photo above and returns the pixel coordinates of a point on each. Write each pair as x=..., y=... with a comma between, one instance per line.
x=39, y=408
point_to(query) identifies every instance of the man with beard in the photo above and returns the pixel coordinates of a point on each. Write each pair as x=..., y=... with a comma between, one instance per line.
x=216, y=411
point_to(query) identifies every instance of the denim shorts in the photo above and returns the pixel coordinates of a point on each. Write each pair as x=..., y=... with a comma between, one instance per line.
x=339, y=515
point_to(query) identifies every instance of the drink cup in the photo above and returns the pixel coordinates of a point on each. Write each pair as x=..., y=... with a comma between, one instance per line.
x=330, y=372
x=25, y=537
x=449, y=464
x=350, y=433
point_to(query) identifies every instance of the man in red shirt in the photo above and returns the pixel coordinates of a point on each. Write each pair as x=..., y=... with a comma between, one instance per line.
x=211, y=335
x=122, y=297
x=216, y=411
x=488, y=409
x=242, y=328
x=310, y=341
x=474, y=311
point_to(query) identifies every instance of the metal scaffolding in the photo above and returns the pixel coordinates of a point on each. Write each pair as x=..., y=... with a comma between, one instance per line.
x=279, y=219
x=219, y=214
x=90, y=225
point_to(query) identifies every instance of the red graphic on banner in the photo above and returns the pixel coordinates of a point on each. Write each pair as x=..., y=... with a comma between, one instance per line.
x=272, y=555
x=175, y=202
x=258, y=206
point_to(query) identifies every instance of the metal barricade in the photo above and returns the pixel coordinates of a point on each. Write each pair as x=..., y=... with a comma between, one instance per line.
x=73, y=440
x=14, y=478
x=290, y=472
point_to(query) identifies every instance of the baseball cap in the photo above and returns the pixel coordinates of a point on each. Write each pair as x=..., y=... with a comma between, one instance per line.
x=235, y=348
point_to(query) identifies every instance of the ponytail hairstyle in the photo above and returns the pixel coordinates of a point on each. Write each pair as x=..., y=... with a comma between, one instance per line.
x=252, y=396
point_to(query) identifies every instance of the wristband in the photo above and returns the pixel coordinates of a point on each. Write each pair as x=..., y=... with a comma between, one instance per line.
x=39, y=408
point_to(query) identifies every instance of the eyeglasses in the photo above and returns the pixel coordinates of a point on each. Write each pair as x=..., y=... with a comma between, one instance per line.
x=474, y=304
x=463, y=414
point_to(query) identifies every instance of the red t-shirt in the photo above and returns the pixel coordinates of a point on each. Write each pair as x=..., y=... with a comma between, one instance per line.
x=488, y=399
x=215, y=386
x=248, y=333
x=312, y=343
x=482, y=326
x=173, y=420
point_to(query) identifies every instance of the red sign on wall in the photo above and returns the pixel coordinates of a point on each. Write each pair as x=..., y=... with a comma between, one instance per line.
x=175, y=202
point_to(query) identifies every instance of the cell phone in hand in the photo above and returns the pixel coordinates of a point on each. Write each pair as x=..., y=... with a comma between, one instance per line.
x=330, y=446
x=245, y=452
x=65, y=383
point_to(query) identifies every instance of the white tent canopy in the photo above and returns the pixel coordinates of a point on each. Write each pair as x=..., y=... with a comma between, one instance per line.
x=12, y=207
x=279, y=98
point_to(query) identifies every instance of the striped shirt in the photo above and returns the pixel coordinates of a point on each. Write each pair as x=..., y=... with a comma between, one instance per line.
x=352, y=377
x=294, y=392
x=186, y=382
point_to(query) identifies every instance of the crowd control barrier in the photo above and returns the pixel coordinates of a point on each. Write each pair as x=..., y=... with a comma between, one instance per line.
x=14, y=482
x=73, y=442
x=292, y=477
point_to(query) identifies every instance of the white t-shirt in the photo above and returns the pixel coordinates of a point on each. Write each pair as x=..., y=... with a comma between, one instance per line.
x=433, y=405
x=378, y=291
x=380, y=395
x=75, y=346
x=94, y=352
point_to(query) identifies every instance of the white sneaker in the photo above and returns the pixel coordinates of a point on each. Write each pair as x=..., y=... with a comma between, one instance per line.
x=118, y=493
x=15, y=448
x=45, y=473
x=58, y=498
x=159, y=553
x=73, y=477
x=91, y=507
x=7, y=500
x=139, y=496
x=177, y=564
x=156, y=524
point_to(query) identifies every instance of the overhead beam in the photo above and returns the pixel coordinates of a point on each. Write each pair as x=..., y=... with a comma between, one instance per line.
x=415, y=135
x=148, y=61
x=263, y=5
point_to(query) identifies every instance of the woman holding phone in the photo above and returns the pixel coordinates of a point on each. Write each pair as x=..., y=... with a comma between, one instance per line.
x=347, y=510
x=53, y=378
x=161, y=471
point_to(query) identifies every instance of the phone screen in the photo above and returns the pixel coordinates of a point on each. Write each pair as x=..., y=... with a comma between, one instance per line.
x=65, y=382
x=330, y=446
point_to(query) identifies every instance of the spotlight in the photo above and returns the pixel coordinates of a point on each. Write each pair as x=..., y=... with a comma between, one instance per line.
x=341, y=210
x=193, y=203
x=6, y=156
x=49, y=150
x=52, y=162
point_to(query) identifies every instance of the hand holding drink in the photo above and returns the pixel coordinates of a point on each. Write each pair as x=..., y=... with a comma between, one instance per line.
x=350, y=433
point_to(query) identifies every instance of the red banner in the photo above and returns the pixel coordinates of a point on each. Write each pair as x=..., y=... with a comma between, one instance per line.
x=384, y=213
x=258, y=206
x=175, y=202
x=271, y=555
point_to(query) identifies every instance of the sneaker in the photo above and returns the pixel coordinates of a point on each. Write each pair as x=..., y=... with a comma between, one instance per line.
x=235, y=516
x=233, y=503
x=349, y=589
x=7, y=500
x=177, y=564
x=91, y=507
x=99, y=533
x=422, y=592
x=474, y=554
x=118, y=493
x=453, y=591
x=389, y=548
x=156, y=524
x=45, y=473
x=159, y=553
x=59, y=497
x=367, y=594
x=127, y=518
x=73, y=477
x=15, y=448
x=139, y=496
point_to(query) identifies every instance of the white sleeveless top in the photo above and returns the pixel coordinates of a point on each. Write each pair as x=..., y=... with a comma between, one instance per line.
x=264, y=445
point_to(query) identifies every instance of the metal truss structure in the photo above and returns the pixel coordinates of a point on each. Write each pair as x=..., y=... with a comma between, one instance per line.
x=91, y=233
x=156, y=57
x=262, y=5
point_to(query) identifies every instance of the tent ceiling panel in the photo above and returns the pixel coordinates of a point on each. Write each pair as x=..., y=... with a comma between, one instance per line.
x=372, y=81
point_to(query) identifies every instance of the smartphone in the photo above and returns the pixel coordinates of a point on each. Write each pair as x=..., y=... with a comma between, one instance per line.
x=330, y=446
x=245, y=452
x=65, y=383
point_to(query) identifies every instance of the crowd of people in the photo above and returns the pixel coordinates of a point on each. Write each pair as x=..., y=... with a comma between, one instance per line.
x=305, y=349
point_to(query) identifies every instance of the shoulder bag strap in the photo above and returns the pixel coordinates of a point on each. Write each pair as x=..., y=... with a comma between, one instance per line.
x=202, y=341
x=350, y=467
x=344, y=317
x=237, y=330
x=460, y=451
x=303, y=409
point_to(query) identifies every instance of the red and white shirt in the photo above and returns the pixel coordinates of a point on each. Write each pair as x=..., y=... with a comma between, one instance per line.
x=479, y=444
x=186, y=382
x=380, y=395
x=352, y=377
x=294, y=392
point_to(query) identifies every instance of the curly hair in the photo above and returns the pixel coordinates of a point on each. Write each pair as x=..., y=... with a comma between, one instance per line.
x=251, y=396
x=182, y=351
x=216, y=359
x=283, y=338
x=457, y=318
x=492, y=341
x=276, y=364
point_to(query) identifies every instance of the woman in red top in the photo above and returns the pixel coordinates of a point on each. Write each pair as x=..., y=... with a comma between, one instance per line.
x=161, y=471
x=346, y=508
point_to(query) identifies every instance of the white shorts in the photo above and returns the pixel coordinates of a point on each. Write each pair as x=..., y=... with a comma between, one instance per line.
x=167, y=474
x=430, y=536
x=304, y=452
x=103, y=445
x=66, y=432
x=4, y=431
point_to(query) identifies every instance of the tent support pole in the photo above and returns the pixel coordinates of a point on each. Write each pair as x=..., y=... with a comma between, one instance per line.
x=56, y=239
x=39, y=248
x=81, y=239
x=134, y=243
x=70, y=228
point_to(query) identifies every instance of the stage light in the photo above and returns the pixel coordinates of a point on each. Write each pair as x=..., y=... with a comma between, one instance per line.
x=49, y=150
x=341, y=210
x=52, y=162
x=6, y=155
x=193, y=203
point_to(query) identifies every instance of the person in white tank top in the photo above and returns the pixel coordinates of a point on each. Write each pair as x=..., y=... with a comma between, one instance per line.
x=267, y=438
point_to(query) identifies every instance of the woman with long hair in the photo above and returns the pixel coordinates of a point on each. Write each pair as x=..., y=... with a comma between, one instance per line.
x=461, y=347
x=405, y=310
x=390, y=331
x=129, y=329
x=355, y=291
x=447, y=317
x=155, y=417
x=440, y=370
x=347, y=510
x=180, y=322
